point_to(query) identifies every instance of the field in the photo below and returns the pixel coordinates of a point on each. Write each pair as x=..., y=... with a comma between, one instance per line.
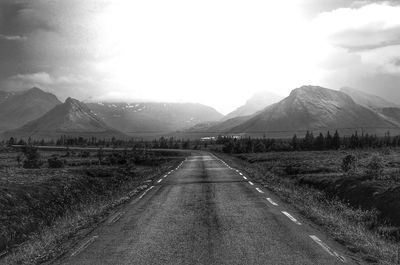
x=358, y=209
x=44, y=208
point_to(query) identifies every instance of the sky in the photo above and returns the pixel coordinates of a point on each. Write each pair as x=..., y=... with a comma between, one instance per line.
x=214, y=52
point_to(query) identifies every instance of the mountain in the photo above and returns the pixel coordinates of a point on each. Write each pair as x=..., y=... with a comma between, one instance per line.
x=20, y=108
x=386, y=109
x=368, y=100
x=72, y=118
x=256, y=103
x=313, y=108
x=144, y=118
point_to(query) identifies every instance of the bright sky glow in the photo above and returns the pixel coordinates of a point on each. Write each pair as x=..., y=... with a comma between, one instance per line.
x=215, y=52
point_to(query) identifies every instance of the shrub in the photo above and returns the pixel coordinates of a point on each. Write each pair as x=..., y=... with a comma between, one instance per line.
x=85, y=154
x=349, y=164
x=55, y=162
x=32, y=157
x=375, y=166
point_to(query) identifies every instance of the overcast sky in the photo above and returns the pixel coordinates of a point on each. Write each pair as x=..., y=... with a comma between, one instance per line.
x=215, y=52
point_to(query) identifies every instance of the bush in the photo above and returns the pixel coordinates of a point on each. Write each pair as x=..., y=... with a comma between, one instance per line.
x=349, y=164
x=32, y=157
x=85, y=154
x=55, y=162
x=375, y=166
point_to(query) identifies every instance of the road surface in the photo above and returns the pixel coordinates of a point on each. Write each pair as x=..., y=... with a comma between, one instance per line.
x=205, y=212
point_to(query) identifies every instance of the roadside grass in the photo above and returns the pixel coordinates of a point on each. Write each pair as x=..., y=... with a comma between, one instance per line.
x=358, y=230
x=56, y=208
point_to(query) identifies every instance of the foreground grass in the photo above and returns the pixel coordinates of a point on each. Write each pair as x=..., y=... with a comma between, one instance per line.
x=356, y=229
x=53, y=240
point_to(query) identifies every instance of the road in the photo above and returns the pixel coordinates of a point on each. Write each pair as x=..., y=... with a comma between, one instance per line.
x=205, y=212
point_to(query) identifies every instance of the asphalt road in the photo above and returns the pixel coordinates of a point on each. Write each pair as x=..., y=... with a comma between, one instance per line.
x=206, y=212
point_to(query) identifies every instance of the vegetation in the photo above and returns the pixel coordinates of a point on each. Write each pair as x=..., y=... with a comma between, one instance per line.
x=361, y=213
x=43, y=208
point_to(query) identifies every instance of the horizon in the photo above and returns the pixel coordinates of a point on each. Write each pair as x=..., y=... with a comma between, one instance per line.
x=198, y=52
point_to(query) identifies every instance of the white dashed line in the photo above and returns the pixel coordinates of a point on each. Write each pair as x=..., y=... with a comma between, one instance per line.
x=259, y=190
x=291, y=218
x=328, y=249
x=165, y=176
x=85, y=245
x=244, y=177
x=240, y=174
x=115, y=218
x=144, y=193
x=272, y=202
x=251, y=183
x=159, y=180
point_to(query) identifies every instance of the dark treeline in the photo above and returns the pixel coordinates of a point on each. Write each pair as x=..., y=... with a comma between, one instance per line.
x=228, y=144
x=309, y=142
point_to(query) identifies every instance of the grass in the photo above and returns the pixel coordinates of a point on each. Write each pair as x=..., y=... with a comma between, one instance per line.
x=359, y=230
x=46, y=211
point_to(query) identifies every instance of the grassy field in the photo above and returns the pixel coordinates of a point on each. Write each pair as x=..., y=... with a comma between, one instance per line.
x=359, y=210
x=46, y=209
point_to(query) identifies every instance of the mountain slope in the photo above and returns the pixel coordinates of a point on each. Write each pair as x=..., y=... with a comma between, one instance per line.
x=153, y=117
x=18, y=109
x=368, y=100
x=72, y=118
x=309, y=108
x=256, y=103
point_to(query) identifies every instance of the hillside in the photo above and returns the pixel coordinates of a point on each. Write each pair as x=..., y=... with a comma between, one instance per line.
x=18, y=109
x=134, y=118
x=72, y=118
x=256, y=103
x=313, y=108
x=368, y=100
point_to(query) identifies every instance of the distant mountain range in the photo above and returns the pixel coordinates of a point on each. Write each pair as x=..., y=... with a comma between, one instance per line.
x=256, y=103
x=316, y=109
x=20, y=108
x=37, y=114
x=141, y=118
x=72, y=118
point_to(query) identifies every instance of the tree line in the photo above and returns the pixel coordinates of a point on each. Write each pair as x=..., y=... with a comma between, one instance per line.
x=229, y=144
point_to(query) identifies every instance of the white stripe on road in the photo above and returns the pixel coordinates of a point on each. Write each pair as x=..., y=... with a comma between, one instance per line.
x=328, y=249
x=244, y=177
x=165, y=176
x=259, y=190
x=251, y=183
x=291, y=218
x=272, y=202
x=115, y=218
x=159, y=180
x=240, y=174
x=84, y=246
x=144, y=193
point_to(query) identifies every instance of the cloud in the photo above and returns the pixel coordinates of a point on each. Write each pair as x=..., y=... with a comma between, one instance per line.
x=367, y=27
x=12, y=37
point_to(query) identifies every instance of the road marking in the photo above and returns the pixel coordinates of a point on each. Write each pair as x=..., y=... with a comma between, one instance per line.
x=291, y=218
x=251, y=183
x=272, y=202
x=115, y=218
x=328, y=249
x=165, y=176
x=259, y=190
x=244, y=177
x=84, y=246
x=159, y=180
x=144, y=193
x=240, y=174
x=237, y=170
